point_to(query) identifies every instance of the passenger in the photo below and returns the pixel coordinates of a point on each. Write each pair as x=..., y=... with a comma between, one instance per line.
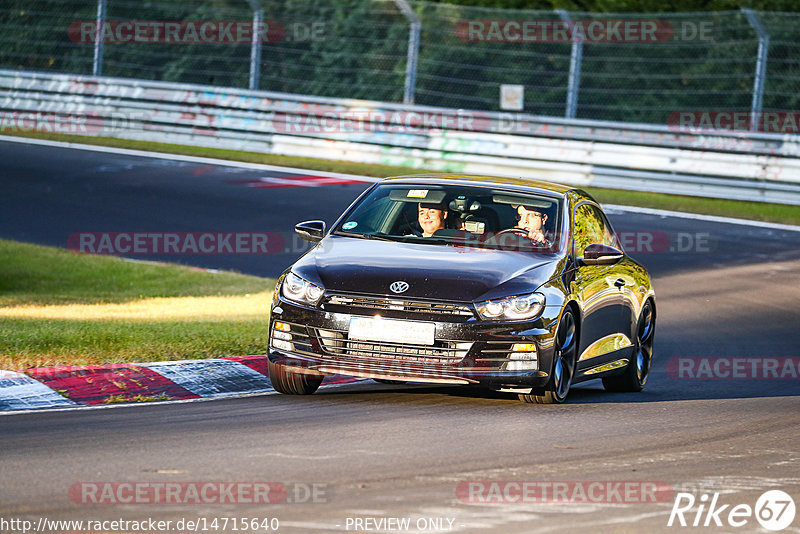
x=532, y=221
x=432, y=217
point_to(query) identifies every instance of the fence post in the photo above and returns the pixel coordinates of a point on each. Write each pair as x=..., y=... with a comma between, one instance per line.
x=761, y=67
x=97, y=63
x=413, y=50
x=255, y=44
x=575, y=59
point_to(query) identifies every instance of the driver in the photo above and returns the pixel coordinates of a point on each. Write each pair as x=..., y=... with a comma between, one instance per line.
x=431, y=217
x=532, y=221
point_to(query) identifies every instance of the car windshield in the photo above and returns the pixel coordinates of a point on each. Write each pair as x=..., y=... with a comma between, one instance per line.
x=456, y=215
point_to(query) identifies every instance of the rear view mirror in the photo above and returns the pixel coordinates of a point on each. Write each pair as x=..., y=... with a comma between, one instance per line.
x=599, y=254
x=311, y=231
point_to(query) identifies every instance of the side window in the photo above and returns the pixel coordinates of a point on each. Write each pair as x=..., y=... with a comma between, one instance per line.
x=591, y=226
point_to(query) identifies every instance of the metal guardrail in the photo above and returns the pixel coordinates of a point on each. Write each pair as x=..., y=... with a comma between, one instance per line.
x=721, y=164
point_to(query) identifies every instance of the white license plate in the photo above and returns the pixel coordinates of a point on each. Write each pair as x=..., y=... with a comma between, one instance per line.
x=378, y=329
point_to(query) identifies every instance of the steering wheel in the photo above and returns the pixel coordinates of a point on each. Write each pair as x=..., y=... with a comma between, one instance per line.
x=522, y=233
x=514, y=230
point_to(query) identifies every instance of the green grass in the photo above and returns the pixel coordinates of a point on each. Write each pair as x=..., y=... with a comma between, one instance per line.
x=760, y=211
x=59, y=307
x=757, y=211
x=33, y=274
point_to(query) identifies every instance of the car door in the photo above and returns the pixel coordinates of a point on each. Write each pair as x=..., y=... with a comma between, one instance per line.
x=597, y=289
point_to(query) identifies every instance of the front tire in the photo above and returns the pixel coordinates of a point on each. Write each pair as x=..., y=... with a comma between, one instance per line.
x=290, y=382
x=564, y=362
x=638, y=369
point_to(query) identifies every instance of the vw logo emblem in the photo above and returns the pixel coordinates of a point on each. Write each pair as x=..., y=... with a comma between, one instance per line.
x=399, y=287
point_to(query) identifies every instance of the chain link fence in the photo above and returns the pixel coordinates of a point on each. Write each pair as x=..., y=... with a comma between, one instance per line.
x=611, y=67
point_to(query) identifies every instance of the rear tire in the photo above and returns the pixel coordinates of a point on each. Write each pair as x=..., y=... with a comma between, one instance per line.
x=565, y=357
x=292, y=383
x=638, y=369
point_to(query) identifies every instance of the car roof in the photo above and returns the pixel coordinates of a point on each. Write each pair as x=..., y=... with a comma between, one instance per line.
x=488, y=181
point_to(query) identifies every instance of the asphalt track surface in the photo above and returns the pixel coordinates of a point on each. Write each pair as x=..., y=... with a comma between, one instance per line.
x=401, y=451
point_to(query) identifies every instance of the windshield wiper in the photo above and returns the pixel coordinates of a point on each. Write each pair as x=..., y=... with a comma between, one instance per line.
x=397, y=238
x=421, y=239
x=380, y=237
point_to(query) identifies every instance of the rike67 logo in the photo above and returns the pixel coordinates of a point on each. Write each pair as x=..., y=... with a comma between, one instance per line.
x=774, y=510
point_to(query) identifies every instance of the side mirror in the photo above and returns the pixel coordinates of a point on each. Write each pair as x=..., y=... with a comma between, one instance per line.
x=599, y=254
x=311, y=231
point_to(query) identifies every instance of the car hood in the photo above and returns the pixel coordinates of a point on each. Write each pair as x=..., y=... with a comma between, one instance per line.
x=364, y=266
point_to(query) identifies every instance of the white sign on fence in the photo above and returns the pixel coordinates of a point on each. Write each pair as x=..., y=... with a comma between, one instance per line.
x=512, y=97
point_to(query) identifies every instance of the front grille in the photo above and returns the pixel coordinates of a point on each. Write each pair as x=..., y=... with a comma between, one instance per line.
x=392, y=303
x=336, y=343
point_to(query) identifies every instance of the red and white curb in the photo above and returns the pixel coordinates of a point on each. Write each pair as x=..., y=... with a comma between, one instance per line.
x=21, y=392
x=95, y=385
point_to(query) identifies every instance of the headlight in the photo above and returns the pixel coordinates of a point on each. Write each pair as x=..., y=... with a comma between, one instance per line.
x=511, y=308
x=298, y=290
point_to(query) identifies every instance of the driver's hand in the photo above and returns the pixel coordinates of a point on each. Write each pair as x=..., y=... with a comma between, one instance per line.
x=536, y=236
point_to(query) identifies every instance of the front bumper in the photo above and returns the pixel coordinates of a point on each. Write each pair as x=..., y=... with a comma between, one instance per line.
x=466, y=350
